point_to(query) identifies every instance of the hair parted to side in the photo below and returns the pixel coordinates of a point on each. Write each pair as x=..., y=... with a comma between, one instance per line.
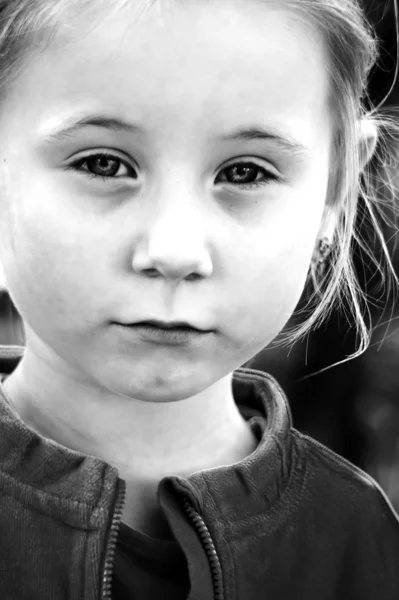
x=356, y=188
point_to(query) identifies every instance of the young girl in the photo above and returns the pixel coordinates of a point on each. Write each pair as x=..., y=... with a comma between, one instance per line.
x=171, y=173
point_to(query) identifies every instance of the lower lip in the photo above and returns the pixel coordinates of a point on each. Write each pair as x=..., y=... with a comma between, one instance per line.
x=172, y=337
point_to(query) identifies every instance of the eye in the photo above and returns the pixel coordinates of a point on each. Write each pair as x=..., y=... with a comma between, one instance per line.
x=246, y=175
x=104, y=166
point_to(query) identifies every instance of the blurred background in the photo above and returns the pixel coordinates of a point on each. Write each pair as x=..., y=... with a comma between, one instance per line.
x=352, y=408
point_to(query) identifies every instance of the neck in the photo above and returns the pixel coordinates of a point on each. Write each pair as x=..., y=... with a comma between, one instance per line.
x=145, y=441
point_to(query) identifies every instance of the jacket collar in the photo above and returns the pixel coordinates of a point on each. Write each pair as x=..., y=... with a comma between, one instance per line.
x=252, y=486
x=88, y=484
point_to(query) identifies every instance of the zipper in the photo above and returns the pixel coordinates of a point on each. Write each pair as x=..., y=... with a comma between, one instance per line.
x=197, y=521
x=205, y=536
x=113, y=537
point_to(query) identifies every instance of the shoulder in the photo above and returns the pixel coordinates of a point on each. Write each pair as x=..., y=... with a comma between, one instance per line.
x=330, y=481
x=344, y=523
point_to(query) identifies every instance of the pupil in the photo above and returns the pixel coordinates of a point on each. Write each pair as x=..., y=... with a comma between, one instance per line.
x=105, y=166
x=244, y=174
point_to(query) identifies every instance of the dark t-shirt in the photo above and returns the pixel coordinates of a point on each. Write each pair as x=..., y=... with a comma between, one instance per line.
x=146, y=568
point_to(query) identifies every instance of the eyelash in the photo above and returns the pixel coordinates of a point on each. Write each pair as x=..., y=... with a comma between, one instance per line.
x=268, y=177
x=77, y=164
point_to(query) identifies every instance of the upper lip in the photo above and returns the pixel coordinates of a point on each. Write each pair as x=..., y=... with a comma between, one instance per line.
x=169, y=324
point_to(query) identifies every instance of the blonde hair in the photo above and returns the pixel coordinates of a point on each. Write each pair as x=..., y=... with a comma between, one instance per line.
x=354, y=188
x=363, y=191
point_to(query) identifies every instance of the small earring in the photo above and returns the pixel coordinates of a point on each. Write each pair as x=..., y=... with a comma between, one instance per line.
x=325, y=247
x=318, y=265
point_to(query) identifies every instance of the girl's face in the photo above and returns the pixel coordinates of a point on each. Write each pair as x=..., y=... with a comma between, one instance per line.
x=215, y=123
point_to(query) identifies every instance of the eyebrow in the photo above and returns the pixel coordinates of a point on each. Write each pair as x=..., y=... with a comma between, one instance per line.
x=67, y=128
x=284, y=141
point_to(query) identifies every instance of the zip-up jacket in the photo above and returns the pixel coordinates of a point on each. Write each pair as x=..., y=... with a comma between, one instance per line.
x=292, y=521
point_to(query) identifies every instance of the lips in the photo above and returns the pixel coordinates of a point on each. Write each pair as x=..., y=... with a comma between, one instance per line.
x=178, y=328
x=150, y=332
x=178, y=325
x=169, y=325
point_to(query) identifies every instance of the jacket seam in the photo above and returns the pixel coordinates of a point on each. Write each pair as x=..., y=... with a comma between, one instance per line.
x=82, y=589
x=25, y=487
x=336, y=458
x=374, y=488
x=273, y=508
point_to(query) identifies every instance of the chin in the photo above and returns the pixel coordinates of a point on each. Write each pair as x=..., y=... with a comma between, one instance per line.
x=153, y=384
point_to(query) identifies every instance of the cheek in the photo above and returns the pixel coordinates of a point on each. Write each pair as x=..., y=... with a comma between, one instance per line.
x=270, y=273
x=44, y=265
x=267, y=301
x=38, y=285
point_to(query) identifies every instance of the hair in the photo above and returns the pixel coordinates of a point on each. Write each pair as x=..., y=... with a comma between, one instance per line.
x=364, y=192
x=358, y=190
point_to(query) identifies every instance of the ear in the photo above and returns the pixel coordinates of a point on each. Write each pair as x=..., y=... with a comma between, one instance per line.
x=329, y=222
x=368, y=137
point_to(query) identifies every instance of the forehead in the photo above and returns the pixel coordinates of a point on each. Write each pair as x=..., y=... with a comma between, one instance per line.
x=204, y=63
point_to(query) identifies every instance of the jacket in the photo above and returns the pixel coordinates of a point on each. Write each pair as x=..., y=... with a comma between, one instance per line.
x=291, y=521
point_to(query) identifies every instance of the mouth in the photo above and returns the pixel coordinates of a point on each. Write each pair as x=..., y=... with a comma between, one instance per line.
x=169, y=325
x=172, y=333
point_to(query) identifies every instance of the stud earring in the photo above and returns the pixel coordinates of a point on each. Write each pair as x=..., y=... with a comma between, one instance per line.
x=325, y=247
x=318, y=265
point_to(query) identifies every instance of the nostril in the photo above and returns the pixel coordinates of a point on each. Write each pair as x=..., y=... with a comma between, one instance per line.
x=192, y=277
x=152, y=273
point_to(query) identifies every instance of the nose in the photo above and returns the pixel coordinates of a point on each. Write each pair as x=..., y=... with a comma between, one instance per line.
x=172, y=241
